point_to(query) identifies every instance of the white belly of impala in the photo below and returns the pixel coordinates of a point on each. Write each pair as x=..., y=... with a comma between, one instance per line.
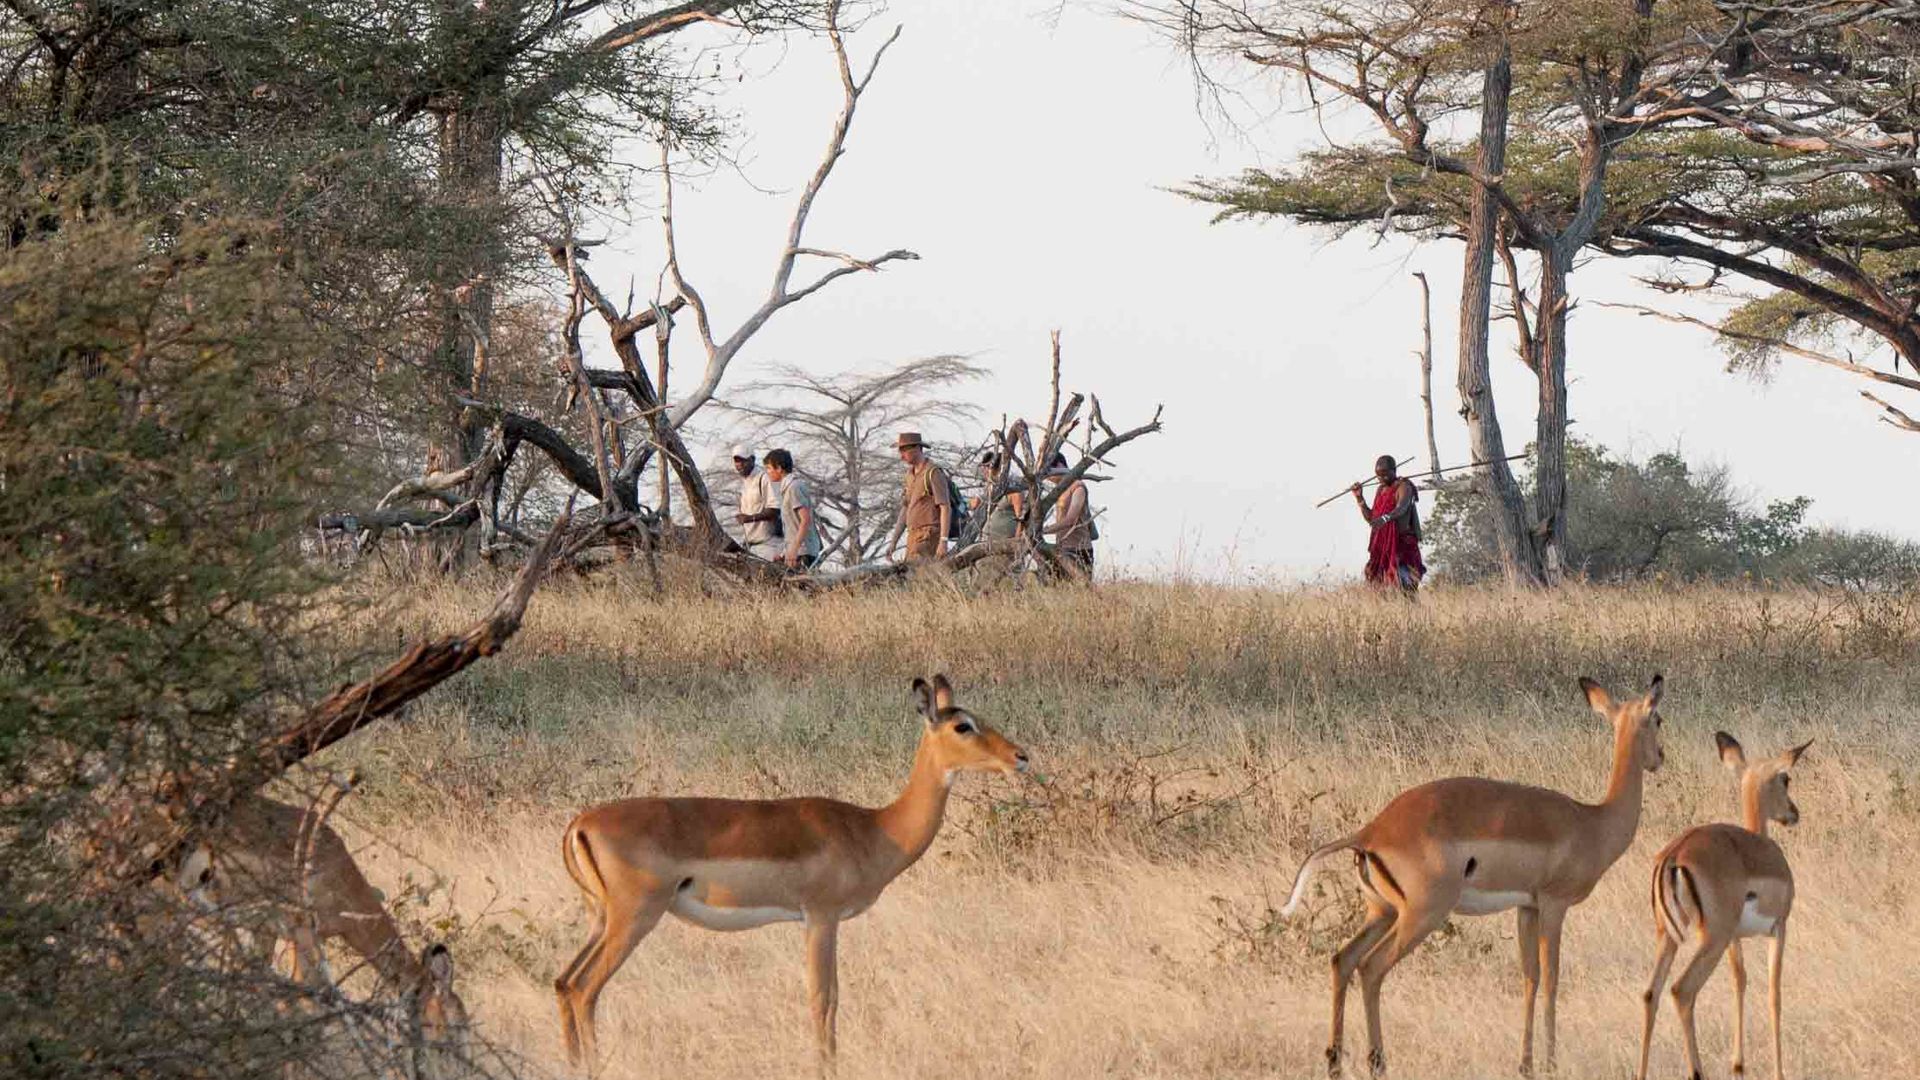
x=1752, y=923
x=1482, y=902
x=730, y=918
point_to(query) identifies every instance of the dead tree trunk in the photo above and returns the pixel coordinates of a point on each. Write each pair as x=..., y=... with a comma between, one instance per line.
x=1426, y=370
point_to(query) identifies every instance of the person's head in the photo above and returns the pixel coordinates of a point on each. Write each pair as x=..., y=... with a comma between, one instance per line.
x=1384, y=469
x=1056, y=469
x=990, y=463
x=913, y=450
x=742, y=459
x=779, y=464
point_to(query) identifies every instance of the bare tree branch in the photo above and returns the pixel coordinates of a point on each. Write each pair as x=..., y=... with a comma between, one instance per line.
x=721, y=353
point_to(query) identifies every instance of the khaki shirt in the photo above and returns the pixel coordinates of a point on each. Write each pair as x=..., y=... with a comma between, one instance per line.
x=926, y=492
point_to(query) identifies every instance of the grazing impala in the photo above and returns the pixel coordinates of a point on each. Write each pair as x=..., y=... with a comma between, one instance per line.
x=258, y=856
x=1470, y=846
x=735, y=864
x=1718, y=884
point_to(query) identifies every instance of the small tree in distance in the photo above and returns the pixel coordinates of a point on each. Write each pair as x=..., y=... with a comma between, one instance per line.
x=841, y=430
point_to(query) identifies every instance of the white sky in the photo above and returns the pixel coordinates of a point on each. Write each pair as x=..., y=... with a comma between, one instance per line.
x=1024, y=157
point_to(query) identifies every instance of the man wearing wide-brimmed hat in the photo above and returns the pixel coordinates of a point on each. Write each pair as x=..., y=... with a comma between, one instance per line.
x=926, y=506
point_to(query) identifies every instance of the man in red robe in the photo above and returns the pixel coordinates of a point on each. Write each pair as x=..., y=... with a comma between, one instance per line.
x=1393, y=553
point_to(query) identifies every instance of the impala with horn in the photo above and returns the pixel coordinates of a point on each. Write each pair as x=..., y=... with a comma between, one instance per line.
x=737, y=864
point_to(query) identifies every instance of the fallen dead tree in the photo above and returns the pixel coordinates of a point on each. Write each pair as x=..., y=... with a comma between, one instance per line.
x=144, y=836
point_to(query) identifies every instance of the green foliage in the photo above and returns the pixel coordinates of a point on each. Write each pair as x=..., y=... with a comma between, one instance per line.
x=156, y=476
x=1662, y=516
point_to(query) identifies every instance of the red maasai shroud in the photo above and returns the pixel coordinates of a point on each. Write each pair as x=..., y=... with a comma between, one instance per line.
x=1392, y=547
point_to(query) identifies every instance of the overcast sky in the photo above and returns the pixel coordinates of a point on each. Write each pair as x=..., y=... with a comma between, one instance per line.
x=1024, y=158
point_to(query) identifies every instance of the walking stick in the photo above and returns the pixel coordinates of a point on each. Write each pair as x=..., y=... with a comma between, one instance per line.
x=1418, y=476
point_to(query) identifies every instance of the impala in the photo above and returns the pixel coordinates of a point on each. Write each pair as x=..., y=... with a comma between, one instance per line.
x=258, y=855
x=736, y=864
x=1718, y=884
x=1472, y=846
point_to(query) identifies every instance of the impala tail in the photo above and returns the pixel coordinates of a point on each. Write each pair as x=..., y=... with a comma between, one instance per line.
x=1676, y=898
x=1300, y=880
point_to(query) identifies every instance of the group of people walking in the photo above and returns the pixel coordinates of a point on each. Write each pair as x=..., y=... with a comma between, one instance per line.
x=779, y=521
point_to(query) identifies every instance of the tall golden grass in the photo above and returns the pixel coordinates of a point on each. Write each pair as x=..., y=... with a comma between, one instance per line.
x=1114, y=915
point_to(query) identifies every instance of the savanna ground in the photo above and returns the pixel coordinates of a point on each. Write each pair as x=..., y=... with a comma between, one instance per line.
x=1113, y=916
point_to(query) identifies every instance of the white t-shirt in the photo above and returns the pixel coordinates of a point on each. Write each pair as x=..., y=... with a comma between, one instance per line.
x=793, y=496
x=756, y=494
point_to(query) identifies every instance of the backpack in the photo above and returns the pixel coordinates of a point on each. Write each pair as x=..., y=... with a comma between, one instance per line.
x=957, y=507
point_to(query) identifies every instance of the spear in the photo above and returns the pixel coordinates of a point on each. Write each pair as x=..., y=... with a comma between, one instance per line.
x=1419, y=476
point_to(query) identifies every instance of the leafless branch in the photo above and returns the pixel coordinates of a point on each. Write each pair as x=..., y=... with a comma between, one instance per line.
x=721, y=353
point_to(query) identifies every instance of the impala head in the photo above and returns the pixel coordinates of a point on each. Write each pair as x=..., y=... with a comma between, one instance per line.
x=960, y=742
x=1763, y=783
x=1635, y=719
x=442, y=1015
x=194, y=878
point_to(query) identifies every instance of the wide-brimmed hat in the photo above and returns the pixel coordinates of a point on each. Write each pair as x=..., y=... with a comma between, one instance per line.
x=908, y=438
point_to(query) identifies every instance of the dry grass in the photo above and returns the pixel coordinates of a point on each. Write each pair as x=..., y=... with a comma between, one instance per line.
x=1113, y=918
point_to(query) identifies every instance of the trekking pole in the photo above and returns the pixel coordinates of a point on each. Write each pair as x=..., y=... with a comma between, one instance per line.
x=1422, y=476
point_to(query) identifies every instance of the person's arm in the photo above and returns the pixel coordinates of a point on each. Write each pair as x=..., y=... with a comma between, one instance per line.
x=1069, y=511
x=805, y=513
x=1018, y=503
x=1366, y=514
x=1402, y=505
x=942, y=494
x=899, y=526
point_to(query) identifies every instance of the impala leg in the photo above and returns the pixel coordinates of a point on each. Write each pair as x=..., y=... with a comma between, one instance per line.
x=1776, y=956
x=1409, y=930
x=1527, y=936
x=1379, y=920
x=1662, y=963
x=1738, y=965
x=588, y=975
x=823, y=983
x=1552, y=920
x=1686, y=989
x=563, y=986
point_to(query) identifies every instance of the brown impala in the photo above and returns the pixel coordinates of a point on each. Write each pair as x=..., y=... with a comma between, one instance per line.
x=736, y=864
x=1717, y=884
x=1469, y=846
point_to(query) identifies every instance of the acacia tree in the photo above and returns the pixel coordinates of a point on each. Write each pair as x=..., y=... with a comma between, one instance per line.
x=841, y=430
x=625, y=433
x=1417, y=70
x=1800, y=201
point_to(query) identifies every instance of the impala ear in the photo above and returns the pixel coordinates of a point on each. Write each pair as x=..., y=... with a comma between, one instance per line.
x=1792, y=757
x=1597, y=696
x=942, y=693
x=1654, y=689
x=923, y=699
x=1730, y=753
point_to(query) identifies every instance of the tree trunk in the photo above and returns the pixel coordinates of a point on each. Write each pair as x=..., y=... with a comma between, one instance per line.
x=1507, y=509
x=1550, y=432
x=1426, y=370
